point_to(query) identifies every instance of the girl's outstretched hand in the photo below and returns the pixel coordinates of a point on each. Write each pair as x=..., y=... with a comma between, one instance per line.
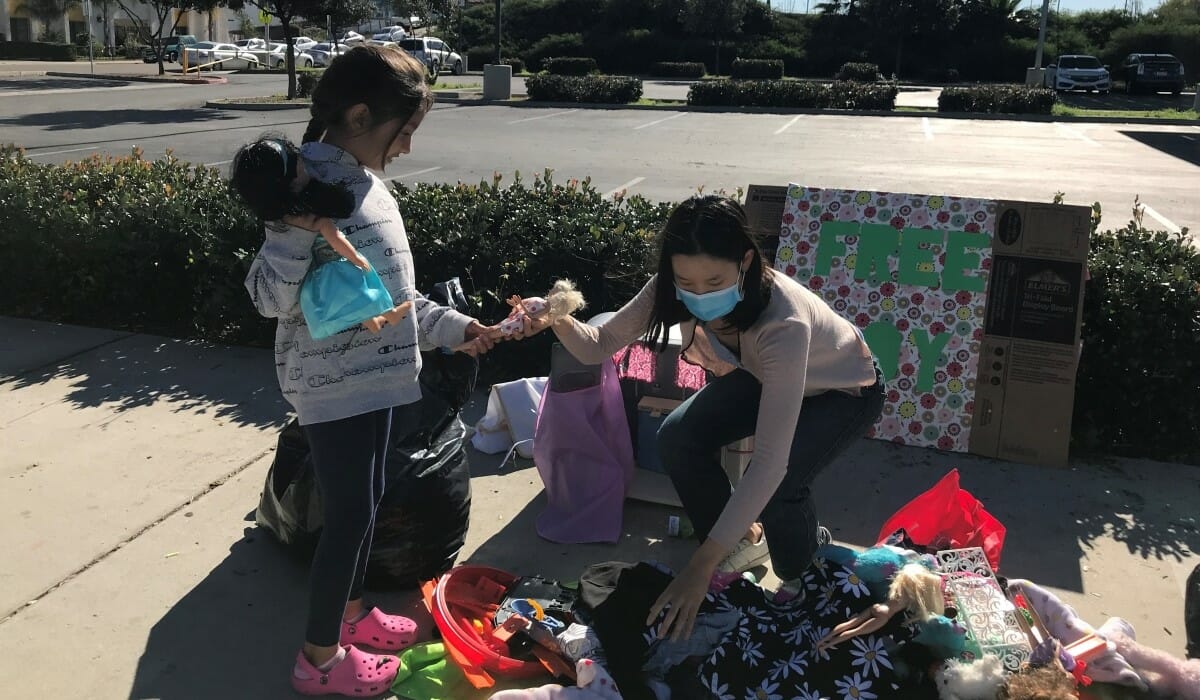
x=478, y=339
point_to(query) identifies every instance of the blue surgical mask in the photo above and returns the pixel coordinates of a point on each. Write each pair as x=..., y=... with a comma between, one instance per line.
x=711, y=305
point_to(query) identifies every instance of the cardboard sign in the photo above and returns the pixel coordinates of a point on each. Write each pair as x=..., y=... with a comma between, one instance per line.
x=937, y=282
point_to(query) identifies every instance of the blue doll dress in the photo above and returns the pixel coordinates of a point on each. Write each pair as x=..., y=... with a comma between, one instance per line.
x=336, y=295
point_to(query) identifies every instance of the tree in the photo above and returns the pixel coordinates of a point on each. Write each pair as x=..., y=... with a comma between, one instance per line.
x=344, y=14
x=896, y=20
x=46, y=11
x=167, y=15
x=286, y=11
x=715, y=20
x=1180, y=11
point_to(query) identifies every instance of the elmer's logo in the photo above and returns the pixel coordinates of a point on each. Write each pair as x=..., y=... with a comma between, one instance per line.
x=1047, y=282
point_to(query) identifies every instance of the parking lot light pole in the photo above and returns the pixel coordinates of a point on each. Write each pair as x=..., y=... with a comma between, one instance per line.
x=499, y=24
x=1042, y=33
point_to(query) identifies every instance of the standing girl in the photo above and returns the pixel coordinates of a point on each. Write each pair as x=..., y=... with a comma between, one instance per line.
x=364, y=112
x=774, y=347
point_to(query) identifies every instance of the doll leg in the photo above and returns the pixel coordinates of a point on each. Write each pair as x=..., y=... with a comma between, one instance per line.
x=865, y=622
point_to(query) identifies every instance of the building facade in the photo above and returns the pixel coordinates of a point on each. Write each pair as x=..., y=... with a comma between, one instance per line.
x=110, y=24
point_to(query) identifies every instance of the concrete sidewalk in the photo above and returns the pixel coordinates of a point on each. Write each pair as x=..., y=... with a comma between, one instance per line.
x=132, y=465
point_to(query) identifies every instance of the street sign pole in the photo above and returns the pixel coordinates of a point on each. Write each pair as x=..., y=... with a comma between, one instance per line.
x=91, y=59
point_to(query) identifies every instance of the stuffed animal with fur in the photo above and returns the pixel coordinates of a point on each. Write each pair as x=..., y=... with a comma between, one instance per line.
x=1168, y=676
x=1049, y=682
x=981, y=679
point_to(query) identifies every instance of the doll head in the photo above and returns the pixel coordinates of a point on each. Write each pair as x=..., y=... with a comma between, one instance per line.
x=269, y=176
x=918, y=590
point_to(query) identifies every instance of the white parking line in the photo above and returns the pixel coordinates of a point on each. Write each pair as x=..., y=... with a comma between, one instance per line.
x=624, y=187
x=1189, y=138
x=218, y=164
x=544, y=116
x=1160, y=218
x=74, y=91
x=928, y=127
x=1077, y=134
x=55, y=153
x=787, y=126
x=412, y=174
x=660, y=121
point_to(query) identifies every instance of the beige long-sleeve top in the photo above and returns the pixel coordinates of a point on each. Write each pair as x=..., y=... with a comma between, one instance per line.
x=798, y=347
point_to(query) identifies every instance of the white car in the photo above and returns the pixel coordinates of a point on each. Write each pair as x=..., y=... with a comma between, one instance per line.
x=219, y=56
x=432, y=51
x=392, y=33
x=323, y=54
x=1079, y=72
x=352, y=37
x=251, y=44
x=277, y=57
x=303, y=42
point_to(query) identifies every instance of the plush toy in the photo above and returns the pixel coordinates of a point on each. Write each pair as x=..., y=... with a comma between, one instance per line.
x=981, y=679
x=1168, y=676
x=562, y=300
x=270, y=178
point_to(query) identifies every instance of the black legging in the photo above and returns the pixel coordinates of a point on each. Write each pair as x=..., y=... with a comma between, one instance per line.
x=348, y=458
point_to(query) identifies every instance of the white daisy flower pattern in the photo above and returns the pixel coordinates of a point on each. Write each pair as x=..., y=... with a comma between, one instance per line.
x=871, y=654
x=806, y=693
x=719, y=690
x=795, y=664
x=851, y=583
x=765, y=691
x=751, y=651
x=855, y=688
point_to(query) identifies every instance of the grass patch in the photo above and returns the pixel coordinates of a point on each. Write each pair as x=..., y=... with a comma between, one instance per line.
x=660, y=103
x=455, y=86
x=927, y=110
x=1061, y=110
x=267, y=99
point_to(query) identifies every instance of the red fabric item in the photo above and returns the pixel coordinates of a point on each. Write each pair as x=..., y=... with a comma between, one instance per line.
x=947, y=517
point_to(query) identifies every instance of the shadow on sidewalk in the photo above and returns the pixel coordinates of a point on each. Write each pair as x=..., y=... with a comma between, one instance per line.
x=71, y=120
x=236, y=634
x=227, y=383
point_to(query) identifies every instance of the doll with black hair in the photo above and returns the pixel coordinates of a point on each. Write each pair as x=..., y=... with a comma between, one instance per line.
x=341, y=290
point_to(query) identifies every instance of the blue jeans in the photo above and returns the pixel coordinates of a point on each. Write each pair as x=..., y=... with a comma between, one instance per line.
x=725, y=411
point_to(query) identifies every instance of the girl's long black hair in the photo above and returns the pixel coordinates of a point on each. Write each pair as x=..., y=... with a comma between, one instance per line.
x=715, y=226
x=263, y=173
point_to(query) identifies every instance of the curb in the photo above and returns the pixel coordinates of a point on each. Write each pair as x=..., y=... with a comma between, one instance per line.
x=213, y=80
x=256, y=106
x=457, y=98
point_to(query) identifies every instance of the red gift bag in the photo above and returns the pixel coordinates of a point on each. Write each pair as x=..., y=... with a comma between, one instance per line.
x=947, y=514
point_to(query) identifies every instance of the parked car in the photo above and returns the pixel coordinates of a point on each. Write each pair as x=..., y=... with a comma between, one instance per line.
x=436, y=53
x=393, y=33
x=303, y=42
x=352, y=37
x=251, y=44
x=171, y=48
x=323, y=54
x=1152, y=72
x=277, y=57
x=1079, y=72
x=224, y=56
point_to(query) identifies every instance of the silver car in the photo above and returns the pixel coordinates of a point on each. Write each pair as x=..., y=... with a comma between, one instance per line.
x=435, y=53
x=323, y=54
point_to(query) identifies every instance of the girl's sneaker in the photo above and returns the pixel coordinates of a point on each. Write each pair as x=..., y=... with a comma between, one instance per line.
x=745, y=556
x=359, y=675
x=379, y=630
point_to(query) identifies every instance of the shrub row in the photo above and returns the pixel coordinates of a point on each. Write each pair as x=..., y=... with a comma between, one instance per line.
x=757, y=69
x=166, y=248
x=997, y=99
x=599, y=89
x=677, y=70
x=792, y=93
x=858, y=72
x=38, y=51
x=570, y=65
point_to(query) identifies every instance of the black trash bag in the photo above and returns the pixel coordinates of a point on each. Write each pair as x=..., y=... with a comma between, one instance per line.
x=422, y=521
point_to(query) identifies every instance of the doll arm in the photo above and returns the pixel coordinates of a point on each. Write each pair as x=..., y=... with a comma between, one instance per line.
x=279, y=270
x=329, y=231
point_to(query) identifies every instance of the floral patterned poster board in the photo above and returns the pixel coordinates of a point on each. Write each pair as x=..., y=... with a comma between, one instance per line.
x=911, y=272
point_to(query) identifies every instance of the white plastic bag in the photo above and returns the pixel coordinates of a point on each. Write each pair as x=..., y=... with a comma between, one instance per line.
x=510, y=417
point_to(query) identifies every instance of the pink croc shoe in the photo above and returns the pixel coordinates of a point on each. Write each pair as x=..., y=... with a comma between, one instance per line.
x=359, y=675
x=379, y=630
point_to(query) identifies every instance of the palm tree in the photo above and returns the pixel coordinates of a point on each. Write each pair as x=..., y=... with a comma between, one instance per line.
x=46, y=11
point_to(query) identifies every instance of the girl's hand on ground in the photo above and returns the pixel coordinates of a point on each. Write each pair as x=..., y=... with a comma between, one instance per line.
x=683, y=597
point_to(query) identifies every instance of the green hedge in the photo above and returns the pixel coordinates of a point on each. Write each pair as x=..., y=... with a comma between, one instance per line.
x=553, y=45
x=37, y=51
x=306, y=82
x=665, y=69
x=756, y=69
x=480, y=56
x=792, y=93
x=858, y=72
x=997, y=99
x=1136, y=388
x=163, y=247
x=600, y=89
x=570, y=65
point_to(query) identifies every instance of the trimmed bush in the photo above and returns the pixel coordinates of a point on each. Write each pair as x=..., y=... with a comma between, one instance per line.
x=997, y=99
x=480, y=56
x=677, y=70
x=792, y=93
x=133, y=50
x=597, y=89
x=38, y=51
x=517, y=64
x=550, y=46
x=570, y=65
x=306, y=82
x=1141, y=328
x=756, y=69
x=858, y=72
